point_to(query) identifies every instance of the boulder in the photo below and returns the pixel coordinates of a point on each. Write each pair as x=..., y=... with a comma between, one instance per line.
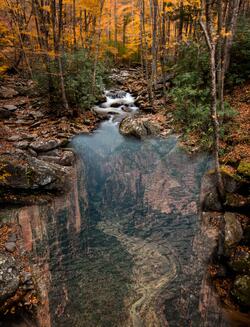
x=241, y=290
x=131, y=126
x=233, y=230
x=9, y=276
x=240, y=260
x=19, y=171
x=7, y=92
x=42, y=145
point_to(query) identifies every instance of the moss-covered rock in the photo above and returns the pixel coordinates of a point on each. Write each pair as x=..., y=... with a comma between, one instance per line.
x=240, y=260
x=244, y=168
x=241, y=290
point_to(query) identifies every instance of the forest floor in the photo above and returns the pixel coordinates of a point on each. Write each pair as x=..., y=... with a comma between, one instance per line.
x=27, y=115
x=237, y=143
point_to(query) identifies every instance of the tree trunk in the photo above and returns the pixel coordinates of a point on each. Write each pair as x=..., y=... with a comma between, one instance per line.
x=211, y=43
x=60, y=33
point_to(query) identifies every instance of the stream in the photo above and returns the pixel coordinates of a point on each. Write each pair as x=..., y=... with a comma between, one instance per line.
x=126, y=247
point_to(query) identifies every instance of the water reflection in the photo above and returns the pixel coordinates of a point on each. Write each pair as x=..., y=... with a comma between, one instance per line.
x=126, y=247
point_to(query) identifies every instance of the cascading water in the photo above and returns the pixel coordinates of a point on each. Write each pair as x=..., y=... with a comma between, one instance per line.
x=118, y=105
x=127, y=247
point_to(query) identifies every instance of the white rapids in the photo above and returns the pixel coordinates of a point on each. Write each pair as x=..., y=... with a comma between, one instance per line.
x=118, y=103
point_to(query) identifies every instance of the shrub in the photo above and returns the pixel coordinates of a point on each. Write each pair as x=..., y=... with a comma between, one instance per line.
x=78, y=75
x=78, y=79
x=191, y=95
x=191, y=90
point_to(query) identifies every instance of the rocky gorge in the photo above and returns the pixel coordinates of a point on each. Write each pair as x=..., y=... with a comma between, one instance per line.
x=119, y=232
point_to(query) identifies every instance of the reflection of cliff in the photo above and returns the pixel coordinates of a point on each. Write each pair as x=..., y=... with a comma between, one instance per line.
x=41, y=232
x=149, y=200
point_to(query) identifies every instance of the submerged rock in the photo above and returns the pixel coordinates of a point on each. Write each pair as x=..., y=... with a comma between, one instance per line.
x=9, y=276
x=241, y=290
x=233, y=230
